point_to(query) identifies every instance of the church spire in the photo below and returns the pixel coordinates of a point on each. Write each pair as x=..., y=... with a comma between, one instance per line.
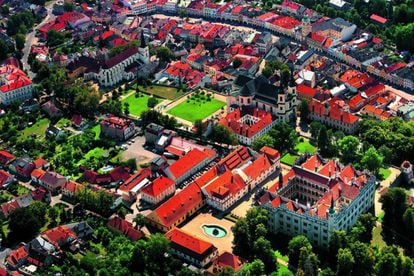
x=143, y=43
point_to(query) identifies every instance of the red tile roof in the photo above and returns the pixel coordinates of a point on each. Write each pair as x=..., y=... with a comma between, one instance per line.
x=226, y=184
x=13, y=78
x=305, y=91
x=40, y=162
x=135, y=179
x=59, y=235
x=235, y=158
x=158, y=186
x=378, y=18
x=178, y=206
x=125, y=228
x=256, y=168
x=232, y=121
x=8, y=207
x=6, y=157
x=187, y=162
x=73, y=187
x=190, y=242
x=4, y=177
x=230, y=260
x=17, y=255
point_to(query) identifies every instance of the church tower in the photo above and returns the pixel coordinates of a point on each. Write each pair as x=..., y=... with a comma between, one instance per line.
x=306, y=26
x=143, y=50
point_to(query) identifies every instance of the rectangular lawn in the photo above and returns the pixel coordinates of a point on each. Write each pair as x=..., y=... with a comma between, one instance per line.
x=38, y=128
x=289, y=159
x=136, y=105
x=193, y=111
x=305, y=146
x=165, y=92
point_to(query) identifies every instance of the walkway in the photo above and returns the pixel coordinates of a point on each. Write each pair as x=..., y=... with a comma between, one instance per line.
x=384, y=185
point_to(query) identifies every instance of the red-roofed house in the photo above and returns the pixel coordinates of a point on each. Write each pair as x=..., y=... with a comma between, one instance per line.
x=125, y=227
x=59, y=236
x=52, y=181
x=228, y=260
x=15, y=85
x=118, y=128
x=177, y=209
x=6, y=157
x=248, y=123
x=191, y=249
x=305, y=92
x=5, y=179
x=17, y=258
x=190, y=163
x=158, y=190
x=71, y=188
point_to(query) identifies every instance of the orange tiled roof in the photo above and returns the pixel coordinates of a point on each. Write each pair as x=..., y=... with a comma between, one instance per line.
x=190, y=242
x=158, y=186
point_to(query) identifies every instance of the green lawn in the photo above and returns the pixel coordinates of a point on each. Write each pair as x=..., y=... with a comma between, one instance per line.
x=384, y=173
x=289, y=159
x=64, y=122
x=305, y=146
x=377, y=237
x=193, y=111
x=165, y=92
x=96, y=153
x=38, y=128
x=136, y=105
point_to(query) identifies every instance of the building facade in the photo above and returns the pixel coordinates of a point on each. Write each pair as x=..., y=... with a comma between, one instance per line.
x=318, y=197
x=15, y=85
x=118, y=128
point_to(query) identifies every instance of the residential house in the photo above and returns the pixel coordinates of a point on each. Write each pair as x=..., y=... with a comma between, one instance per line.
x=5, y=179
x=227, y=259
x=120, y=225
x=70, y=189
x=6, y=157
x=191, y=249
x=53, y=132
x=17, y=258
x=51, y=109
x=22, y=167
x=118, y=128
x=52, y=181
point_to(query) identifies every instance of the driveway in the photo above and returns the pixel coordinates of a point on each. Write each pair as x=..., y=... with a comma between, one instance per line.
x=383, y=185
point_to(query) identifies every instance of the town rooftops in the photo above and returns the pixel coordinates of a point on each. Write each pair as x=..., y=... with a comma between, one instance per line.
x=12, y=78
x=189, y=244
x=4, y=177
x=116, y=122
x=125, y=228
x=378, y=19
x=120, y=57
x=177, y=206
x=158, y=186
x=6, y=157
x=190, y=160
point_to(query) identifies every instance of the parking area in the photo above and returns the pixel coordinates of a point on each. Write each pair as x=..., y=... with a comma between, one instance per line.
x=136, y=150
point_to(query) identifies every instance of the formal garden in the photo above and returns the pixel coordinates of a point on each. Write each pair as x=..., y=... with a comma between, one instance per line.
x=197, y=106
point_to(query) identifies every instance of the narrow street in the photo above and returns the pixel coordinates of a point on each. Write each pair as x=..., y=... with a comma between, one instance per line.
x=31, y=38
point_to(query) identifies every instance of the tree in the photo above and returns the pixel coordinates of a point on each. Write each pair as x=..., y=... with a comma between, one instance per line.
x=4, y=49
x=387, y=263
x=284, y=77
x=164, y=54
x=264, y=252
x=24, y=224
x=285, y=137
x=338, y=240
x=365, y=223
x=304, y=111
x=85, y=101
x=364, y=258
x=199, y=126
x=314, y=129
x=255, y=268
x=294, y=249
x=323, y=142
x=349, y=148
x=152, y=102
x=140, y=221
x=264, y=140
x=222, y=134
x=68, y=6
x=20, y=40
x=345, y=262
x=53, y=215
x=126, y=108
x=236, y=63
x=372, y=160
x=54, y=38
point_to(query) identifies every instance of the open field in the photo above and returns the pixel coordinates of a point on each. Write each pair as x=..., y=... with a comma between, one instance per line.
x=136, y=105
x=165, y=92
x=193, y=111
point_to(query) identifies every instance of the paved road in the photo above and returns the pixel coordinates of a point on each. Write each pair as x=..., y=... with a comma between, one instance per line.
x=31, y=38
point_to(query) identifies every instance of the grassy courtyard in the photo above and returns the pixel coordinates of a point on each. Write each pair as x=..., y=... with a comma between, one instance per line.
x=384, y=173
x=305, y=146
x=137, y=105
x=165, y=92
x=38, y=129
x=192, y=110
x=289, y=159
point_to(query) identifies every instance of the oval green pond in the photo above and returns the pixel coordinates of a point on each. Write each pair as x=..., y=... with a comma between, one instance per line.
x=214, y=231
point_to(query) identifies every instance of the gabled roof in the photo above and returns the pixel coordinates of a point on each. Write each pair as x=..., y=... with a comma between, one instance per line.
x=225, y=185
x=73, y=187
x=158, y=186
x=6, y=157
x=183, y=240
x=125, y=228
x=4, y=177
x=187, y=162
x=17, y=255
x=228, y=259
x=178, y=206
x=59, y=235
